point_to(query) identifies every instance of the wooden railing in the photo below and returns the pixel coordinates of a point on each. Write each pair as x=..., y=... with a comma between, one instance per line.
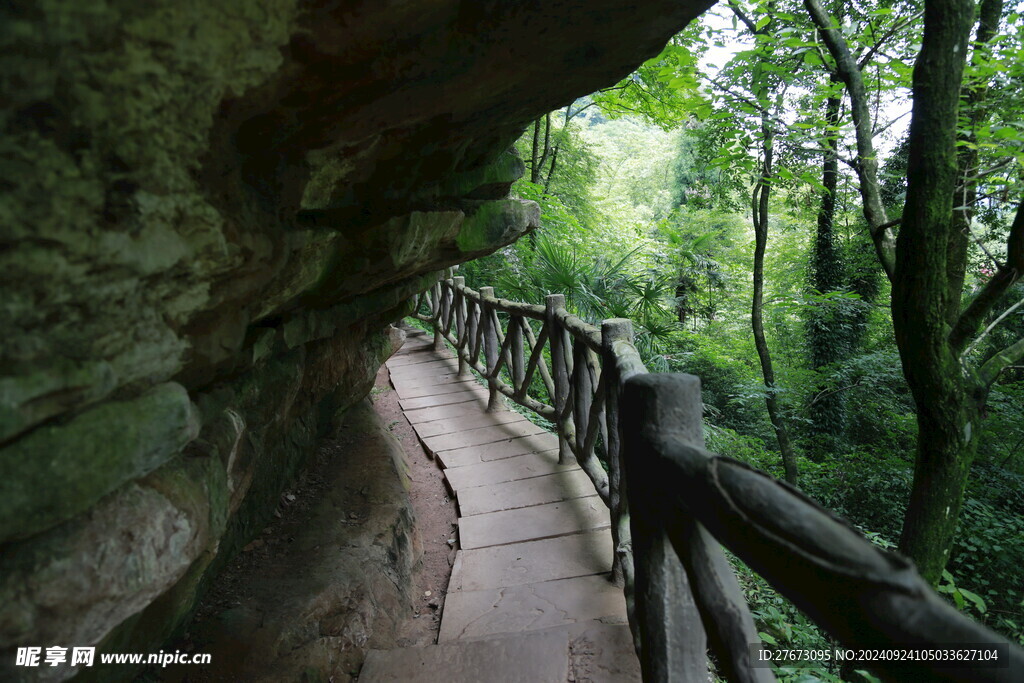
x=582, y=400
x=683, y=503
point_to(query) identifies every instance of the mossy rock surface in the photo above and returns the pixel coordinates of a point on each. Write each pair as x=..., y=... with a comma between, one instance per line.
x=60, y=470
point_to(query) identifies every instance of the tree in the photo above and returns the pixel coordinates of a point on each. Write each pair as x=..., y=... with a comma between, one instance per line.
x=826, y=340
x=926, y=263
x=762, y=98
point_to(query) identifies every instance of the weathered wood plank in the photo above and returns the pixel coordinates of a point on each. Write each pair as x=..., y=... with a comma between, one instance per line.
x=508, y=469
x=550, y=559
x=428, y=379
x=444, y=399
x=470, y=614
x=455, y=410
x=536, y=443
x=464, y=422
x=539, y=521
x=491, y=434
x=436, y=389
x=437, y=365
x=525, y=492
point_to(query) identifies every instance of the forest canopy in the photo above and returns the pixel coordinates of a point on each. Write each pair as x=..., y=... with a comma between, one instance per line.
x=816, y=207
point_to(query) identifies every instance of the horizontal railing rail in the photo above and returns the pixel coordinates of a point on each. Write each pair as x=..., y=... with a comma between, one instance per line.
x=673, y=505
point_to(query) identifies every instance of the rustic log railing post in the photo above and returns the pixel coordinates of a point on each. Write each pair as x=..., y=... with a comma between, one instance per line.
x=491, y=348
x=560, y=374
x=518, y=369
x=473, y=337
x=582, y=395
x=673, y=643
x=447, y=312
x=662, y=411
x=615, y=330
x=436, y=314
x=459, y=302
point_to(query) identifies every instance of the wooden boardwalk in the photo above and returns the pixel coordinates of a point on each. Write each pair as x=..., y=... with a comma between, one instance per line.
x=531, y=577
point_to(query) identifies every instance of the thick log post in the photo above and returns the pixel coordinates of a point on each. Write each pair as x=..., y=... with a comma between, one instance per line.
x=582, y=396
x=445, y=322
x=437, y=313
x=473, y=337
x=560, y=374
x=518, y=369
x=491, y=348
x=615, y=330
x=460, y=321
x=673, y=644
x=664, y=411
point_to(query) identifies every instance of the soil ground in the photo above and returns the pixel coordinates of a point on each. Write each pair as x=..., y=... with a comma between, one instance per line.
x=435, y=519
x=435, y=524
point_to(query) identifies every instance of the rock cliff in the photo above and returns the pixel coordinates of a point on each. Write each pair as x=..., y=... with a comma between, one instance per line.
x=210, y=213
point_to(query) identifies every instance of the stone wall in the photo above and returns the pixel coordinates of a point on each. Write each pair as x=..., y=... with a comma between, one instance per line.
x=210, y=213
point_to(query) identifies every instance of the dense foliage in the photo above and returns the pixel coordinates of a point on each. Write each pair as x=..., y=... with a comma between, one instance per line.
x=648, y=214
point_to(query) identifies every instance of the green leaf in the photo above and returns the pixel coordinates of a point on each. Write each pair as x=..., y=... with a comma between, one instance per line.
x=812, y=59
x=975, y=598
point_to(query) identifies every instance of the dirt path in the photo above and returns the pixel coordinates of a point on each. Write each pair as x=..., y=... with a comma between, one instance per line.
x=233, y=590
x=435, y=519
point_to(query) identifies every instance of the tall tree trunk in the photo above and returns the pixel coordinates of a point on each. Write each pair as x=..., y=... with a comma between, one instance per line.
x=535, y=154
x=551, y=170
x=866, y=164
x=924, y=290
x=972, y=100
x=759, y=211
x=826, y=339
x=927, y=270
x=547, y=140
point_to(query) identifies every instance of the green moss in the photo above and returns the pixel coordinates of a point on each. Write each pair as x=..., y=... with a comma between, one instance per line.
x=28, y=399
x=500, y=175
x=58, y=471
x=494, y=224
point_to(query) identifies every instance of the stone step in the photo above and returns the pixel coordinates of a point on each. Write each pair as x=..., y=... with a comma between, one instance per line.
x=415, y=345
x=468, y=421
x=563, y=557
x=527, y=524
x=476, y=394
x=403, y=367
x=518, y=658
x=440, y=361
x=430, y=379
x=600, y=653
x=480, y=436
x=501, y=450
x=464, y=384
x=412, y=359
x=522, y=493
x=452, y=411
x=529, y=607
x=425, y=376
x=439, y=374
x=509, y=469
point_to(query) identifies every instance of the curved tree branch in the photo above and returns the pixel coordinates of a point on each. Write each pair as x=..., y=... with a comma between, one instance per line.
x=867, y=162
x=995, y=323
x=1008, y=273
x=991, y=368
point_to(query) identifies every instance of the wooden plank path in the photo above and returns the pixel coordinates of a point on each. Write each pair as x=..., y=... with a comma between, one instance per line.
x=534, y=541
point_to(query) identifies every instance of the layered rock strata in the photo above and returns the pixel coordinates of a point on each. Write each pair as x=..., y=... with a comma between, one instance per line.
x=210, y=213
